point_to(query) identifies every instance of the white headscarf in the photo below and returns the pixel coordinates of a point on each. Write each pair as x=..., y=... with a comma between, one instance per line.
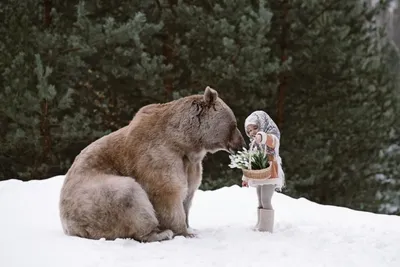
x=263, y=122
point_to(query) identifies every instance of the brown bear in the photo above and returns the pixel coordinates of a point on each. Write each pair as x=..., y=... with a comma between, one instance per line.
x=138, y=182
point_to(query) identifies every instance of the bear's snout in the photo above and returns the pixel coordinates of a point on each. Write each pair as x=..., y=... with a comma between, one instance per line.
x=237, y=142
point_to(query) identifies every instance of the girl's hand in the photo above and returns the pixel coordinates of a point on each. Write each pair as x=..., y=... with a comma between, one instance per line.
x=258, y=138
x=245, y=184
x=267, y=139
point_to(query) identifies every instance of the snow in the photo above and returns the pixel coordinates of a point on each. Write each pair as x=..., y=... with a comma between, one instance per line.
x=306, y=234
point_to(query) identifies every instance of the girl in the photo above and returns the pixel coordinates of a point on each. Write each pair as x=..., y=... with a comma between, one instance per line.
x=262, y=129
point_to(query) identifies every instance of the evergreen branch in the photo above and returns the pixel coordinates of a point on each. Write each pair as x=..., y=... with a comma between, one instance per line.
x=313, y=19
x=173, y=3
x=208, y=5
x=73, y=49
x=324, y=9
x=158, y=4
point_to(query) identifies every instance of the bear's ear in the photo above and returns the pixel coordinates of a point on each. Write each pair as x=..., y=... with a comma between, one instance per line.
x=210, y=95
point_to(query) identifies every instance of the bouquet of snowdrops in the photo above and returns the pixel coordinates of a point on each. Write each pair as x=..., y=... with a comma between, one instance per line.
x=246, y=159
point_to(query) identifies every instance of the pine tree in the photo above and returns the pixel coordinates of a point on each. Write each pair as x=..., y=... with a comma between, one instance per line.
x=388, y=194
x=124, y=54
x=58, y=65
x=32, y=105
x=395, y=22
x=339, y=106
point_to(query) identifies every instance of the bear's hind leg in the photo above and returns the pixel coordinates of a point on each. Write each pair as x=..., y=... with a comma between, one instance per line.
x=111, y=207
x=141, y=218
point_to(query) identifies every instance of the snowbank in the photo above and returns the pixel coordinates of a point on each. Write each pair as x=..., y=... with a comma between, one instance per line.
x=306, y=234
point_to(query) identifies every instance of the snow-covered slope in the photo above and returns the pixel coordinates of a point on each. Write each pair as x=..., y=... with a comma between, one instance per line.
x=306, y=234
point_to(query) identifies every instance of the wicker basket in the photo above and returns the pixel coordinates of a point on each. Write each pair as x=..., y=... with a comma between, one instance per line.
x=256, y=174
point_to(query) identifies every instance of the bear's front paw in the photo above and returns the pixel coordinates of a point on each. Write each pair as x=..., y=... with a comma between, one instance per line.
x=191, y=230
x=166, y=235
x=190, y=235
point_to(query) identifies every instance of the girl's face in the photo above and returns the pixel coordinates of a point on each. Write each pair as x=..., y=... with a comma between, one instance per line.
x=252, y=130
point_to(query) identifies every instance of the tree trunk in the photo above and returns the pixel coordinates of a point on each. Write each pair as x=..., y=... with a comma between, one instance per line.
x=44, y=105
x=45, y=128
x=47, y=12
x=283, y=42
x=168, y=52
x=168, y=83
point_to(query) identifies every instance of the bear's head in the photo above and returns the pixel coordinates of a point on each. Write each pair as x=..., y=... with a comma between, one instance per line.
x=213, y=124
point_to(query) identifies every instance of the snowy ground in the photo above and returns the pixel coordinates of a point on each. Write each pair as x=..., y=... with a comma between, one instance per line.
x=306, y=234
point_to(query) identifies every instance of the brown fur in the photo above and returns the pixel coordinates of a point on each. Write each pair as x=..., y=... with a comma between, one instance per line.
x=138, y=182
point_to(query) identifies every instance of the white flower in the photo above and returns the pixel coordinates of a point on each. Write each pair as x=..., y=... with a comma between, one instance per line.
x=241, y=159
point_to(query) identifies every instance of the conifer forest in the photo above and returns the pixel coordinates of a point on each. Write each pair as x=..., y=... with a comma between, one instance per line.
x=326, y=71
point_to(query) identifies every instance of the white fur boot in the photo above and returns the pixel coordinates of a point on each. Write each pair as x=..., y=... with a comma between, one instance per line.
x=266, y=220
x=258, y=219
